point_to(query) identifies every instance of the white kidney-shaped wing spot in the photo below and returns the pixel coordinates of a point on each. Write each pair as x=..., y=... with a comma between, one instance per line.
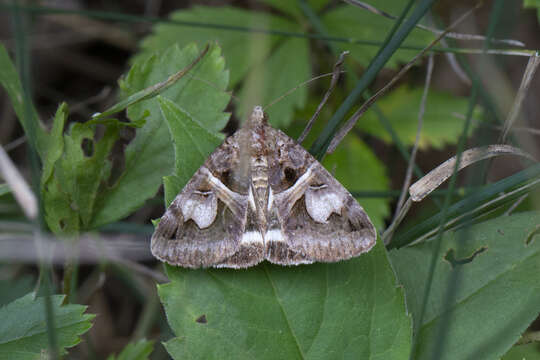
x=201, y=207
x=321, y=202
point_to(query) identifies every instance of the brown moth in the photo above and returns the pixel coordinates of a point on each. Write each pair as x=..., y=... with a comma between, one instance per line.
x=261, y=196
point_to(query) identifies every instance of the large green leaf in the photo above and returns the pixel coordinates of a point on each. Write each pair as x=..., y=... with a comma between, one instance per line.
x=497, y=295
x=442, y=123
x=23, y=329
x=357, y=24
x=140, y=350
x=150, y=155
x=350, y=309
x=192, y=145
x=9, y=79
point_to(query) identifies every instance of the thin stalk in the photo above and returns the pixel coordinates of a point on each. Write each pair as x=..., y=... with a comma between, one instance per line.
x=23, y=66
x=320, y=146
x=399, y=214
x=444, y=212
x=456, y=275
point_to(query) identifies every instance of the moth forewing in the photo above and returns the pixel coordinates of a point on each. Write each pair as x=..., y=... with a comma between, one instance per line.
x=261, y=196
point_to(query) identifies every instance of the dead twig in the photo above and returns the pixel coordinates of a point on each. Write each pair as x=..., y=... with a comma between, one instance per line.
x=423, y=187
x=532, y=65
x=399, y=214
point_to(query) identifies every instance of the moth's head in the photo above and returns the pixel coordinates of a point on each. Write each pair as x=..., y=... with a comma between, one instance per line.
x=257, y=116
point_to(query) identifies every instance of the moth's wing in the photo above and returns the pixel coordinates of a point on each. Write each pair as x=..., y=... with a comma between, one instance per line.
x=319, y=219
x=204, y=224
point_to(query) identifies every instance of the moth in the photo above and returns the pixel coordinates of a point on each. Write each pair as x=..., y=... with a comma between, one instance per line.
x=261, y=196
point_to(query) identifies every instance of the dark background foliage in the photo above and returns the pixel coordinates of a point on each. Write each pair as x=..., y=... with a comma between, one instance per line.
x=78, y=59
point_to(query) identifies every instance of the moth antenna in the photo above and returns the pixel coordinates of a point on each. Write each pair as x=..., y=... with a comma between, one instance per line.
x=273, y=102
x=335, y=77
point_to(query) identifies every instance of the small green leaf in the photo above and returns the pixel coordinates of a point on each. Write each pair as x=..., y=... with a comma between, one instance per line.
x=140, y=350
x=192, y=145
x=23, y=329
x=529, y=351
x=497, y=295
x=55, y=145
x=71, y=189
x=150, y=155
x=357, y=168
x=9, y=79
x=358, y=24
x=350, y=309
x=442, y=121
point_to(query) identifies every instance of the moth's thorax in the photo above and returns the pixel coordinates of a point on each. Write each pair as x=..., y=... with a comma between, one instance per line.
x=258, y=164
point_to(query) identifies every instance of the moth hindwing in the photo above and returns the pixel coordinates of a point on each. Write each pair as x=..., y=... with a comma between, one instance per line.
x=282, y=206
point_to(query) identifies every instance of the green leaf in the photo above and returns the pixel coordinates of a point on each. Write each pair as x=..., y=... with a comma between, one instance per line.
x=140, y=350
x=292, y=7
x=357, y=168
x=442, y=123
x=150, y=155
x=271, y=73
x=237, y=45
x=55, y=145
x=358, y=24
x=192, y=145
x=11, y=83
x=497, y=296
x=149, y=92
x=273, y=78
x=533, y=4
x=529, y=351
x=350, y=309
x=72, y=178
x=23, y=329
x=13, y=288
